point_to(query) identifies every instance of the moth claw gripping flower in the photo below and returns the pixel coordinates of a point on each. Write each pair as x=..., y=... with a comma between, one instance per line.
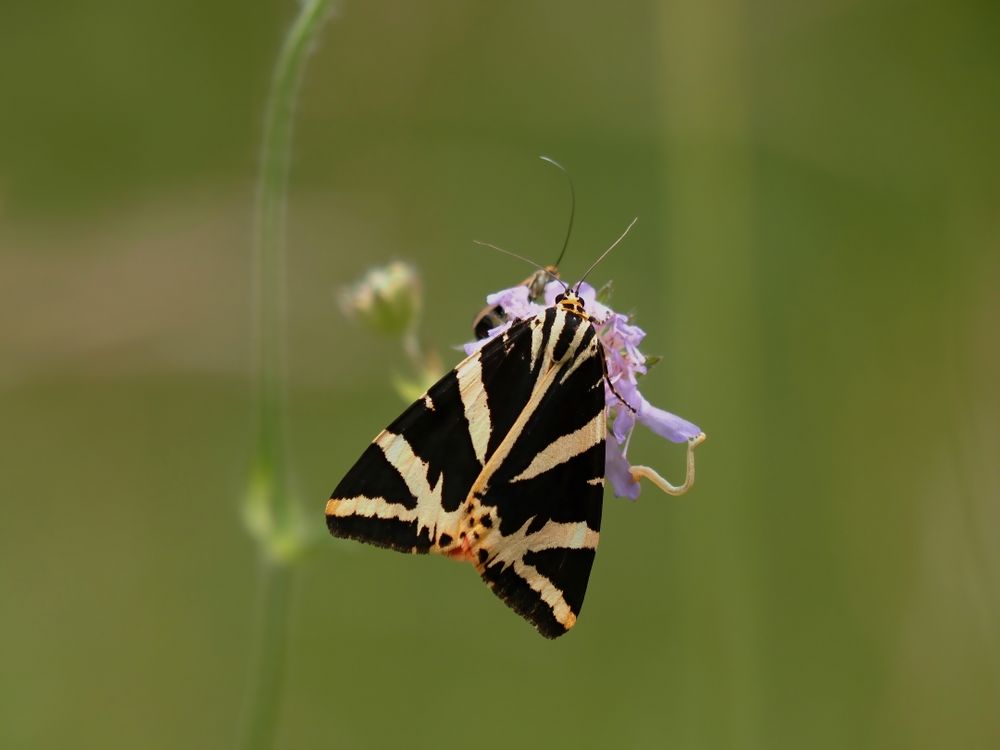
x=625, y=405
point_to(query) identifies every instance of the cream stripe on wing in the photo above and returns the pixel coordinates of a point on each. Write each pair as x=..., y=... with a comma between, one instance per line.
x=558, y=323
x=565, y=447
x=537, y=327
x=548, y=593
x=581, y=357
x=553, y=535
x=571, y=350
x=477, y=412
x=428, y=513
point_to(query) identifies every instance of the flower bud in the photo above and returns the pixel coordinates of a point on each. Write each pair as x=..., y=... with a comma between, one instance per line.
x=387, y=299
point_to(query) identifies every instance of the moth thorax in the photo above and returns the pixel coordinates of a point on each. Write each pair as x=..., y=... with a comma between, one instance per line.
x=571, y=303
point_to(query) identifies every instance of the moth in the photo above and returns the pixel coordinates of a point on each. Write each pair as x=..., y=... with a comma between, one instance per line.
x=492, y=316
x=500, y=464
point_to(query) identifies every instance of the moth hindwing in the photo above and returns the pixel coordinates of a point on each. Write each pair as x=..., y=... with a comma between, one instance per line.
x=501, y=464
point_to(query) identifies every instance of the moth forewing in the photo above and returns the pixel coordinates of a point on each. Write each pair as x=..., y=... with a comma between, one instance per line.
x=545, y=479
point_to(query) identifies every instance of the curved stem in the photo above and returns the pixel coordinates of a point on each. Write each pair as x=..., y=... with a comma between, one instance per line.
x=270, y=510
x=269, y=250
x=653, y=476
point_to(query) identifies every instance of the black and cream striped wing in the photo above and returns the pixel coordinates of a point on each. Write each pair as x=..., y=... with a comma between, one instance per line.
x=501, y=463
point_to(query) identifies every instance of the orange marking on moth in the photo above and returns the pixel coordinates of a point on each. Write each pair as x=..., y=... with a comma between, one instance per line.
x=462, y=552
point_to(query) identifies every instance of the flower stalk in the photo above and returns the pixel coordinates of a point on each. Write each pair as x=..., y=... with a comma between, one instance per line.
x=270, y=512
x=387, y=301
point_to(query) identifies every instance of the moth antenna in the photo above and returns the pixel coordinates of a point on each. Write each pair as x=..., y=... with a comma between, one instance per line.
x=605, y=253
x=572, y=205
x=521, y=257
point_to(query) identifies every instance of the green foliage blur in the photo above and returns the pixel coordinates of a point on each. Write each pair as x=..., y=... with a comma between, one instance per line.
x=816, y=258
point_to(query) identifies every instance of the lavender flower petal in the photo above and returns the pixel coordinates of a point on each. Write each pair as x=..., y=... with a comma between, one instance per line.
x=552, y=290
x=474, y=346
x=623, y=424
x=617, y=471
x=665, y=424
x=515, y=302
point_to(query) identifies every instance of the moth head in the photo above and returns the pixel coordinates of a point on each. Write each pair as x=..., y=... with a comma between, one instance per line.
x=571, y=302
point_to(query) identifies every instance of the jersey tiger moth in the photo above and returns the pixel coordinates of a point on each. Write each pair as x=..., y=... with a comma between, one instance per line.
x=493, y=316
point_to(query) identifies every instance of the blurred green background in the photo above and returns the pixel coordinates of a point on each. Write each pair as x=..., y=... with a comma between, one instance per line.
x=816, y=257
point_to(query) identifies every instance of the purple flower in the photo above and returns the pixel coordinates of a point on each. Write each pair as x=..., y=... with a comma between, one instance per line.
x=624, y=404
x=618, y=472
x=516, y=304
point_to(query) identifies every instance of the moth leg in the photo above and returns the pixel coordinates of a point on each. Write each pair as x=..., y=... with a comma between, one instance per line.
x=607, y=379
x=653, y=476
x=612, y=387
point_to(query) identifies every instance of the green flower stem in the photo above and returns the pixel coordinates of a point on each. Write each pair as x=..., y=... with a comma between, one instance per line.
x=270, y=511
x=267, y=672
x=272, y=194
